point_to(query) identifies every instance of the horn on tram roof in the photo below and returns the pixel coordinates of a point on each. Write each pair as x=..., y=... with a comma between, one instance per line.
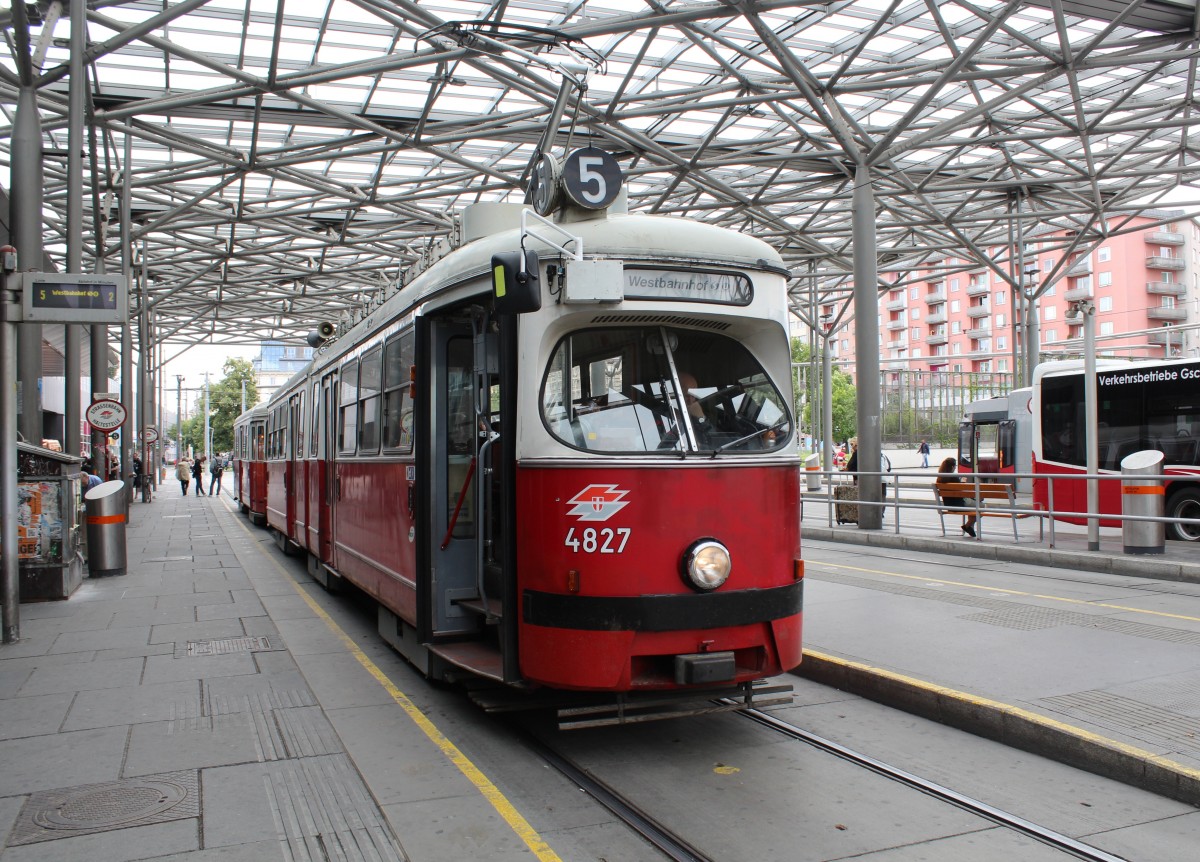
x=321, y=334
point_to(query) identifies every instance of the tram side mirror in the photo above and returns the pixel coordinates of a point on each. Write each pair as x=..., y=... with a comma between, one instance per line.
x=516, y=286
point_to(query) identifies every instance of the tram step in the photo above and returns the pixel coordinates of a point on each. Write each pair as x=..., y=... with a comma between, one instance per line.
x=492, y=609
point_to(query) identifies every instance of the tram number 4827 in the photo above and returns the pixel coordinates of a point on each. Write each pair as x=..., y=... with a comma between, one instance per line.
x=593, y=541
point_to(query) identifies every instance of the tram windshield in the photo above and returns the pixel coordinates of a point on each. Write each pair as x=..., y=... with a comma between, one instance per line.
x=659, y=389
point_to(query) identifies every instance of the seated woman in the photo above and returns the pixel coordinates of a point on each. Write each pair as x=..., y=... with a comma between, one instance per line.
x=947, y=473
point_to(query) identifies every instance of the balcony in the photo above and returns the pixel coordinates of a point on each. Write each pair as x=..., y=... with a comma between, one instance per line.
x=1083, y=266
x=935, y=298
x=940, y=338
x=1164, y=336
x=978, y=310
x=1077, y=293
x=895, y=305
x=1166, y=288
x=1158, y=261
x=935, y=319
x=978, y=288
x=896, y=345
x=898, y=364
x=981, y=332
x=1165, y=237
x=897, y=325
x=1166, y=313
x=980, y=351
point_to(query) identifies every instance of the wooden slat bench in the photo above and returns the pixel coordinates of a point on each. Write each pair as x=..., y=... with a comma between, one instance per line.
x=996, y=500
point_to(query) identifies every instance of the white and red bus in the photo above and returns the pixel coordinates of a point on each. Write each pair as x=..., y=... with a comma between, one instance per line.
x=1141, y=406
x=562, y=454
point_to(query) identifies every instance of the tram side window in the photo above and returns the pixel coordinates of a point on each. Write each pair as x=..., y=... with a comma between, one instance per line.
x=369, y=376
x=348, y=413
x=397, y=406
x=1119, y=431
x=1173, y=422
x=315, y=416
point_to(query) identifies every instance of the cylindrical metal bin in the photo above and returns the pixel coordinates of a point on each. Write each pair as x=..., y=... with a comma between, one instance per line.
x=1142, y=494
x=106, y=528
x=812, y=471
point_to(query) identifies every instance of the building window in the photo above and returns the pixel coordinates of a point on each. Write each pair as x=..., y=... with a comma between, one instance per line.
x=1104, y=279
x=1103, y=253
x=956, y=348
x=954, y=285
x=916, y=314
x=912, y=294
x=1050, y=290
x=955, y=327
x=1051, y=335
x=1104, y=303
x=1168, y=302
x=916, y=334
x=1048, y=264
x=999, y=298
x=1106, y=328
x=1002, y=365
x=916, y=353
x=1000, y=321
x=1001, y=343
x=1049, y=312
x=954, y=307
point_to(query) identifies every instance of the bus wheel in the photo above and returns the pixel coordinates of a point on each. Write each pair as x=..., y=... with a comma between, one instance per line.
x=1184, y=504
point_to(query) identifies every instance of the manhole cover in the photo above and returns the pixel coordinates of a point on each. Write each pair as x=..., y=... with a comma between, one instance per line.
x=103, y=807
x=224, y=646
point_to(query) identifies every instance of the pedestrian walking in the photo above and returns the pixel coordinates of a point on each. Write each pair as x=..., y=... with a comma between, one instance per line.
x=923, y=450
x=183, y=472
x=198, y=475
x=217, y=468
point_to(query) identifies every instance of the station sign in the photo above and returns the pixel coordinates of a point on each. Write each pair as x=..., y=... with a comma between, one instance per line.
x=106, y=415
x=83, y=299
x=150, y=434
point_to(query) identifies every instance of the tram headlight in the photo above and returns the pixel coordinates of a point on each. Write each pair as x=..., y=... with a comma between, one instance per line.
x=706, y=564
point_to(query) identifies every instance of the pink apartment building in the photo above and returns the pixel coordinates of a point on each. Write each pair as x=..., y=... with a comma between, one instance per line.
x=957, y=315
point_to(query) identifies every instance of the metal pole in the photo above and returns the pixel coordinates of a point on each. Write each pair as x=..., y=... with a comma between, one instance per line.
x=75, y=144
x=827, y=402
x=10, y=584
x=1087, y=309
x=866, y=347
x=25, y=227
x=145, y=369
x=127, y=327
x=178, y=417
x=207, y=454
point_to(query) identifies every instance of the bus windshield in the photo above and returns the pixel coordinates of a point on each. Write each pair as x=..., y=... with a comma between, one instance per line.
x=661, y=390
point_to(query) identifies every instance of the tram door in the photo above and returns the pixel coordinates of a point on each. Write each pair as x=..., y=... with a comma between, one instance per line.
x=464, y=399
x=322, y=491
x=294, y=471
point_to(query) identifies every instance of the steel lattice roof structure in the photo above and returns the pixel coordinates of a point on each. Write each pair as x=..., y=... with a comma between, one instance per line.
x=288, y=159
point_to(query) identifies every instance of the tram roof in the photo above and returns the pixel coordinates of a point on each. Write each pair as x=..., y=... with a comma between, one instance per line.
x=285, y=168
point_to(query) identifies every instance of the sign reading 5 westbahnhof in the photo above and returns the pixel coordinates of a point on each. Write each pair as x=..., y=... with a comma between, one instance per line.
x=56, y=298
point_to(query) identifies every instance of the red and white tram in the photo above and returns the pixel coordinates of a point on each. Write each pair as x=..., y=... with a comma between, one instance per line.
x=562, y=455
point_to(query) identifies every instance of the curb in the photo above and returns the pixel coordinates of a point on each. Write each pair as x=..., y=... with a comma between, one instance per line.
x=1138, y=567
x=1007, y=724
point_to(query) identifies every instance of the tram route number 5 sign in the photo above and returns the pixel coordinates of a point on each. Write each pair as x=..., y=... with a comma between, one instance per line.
x=106, y=415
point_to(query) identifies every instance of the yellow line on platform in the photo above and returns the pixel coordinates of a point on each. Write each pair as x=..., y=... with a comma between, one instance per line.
x=482, y=783
x=1009, y=709
x=811, y=564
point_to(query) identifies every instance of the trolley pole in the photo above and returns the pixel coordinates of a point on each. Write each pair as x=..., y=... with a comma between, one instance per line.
x=10, y=585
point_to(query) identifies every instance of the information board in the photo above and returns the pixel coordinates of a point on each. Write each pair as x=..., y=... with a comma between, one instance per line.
x=84, y=299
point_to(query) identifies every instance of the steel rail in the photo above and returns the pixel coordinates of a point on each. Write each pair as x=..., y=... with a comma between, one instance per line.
x=1028, y=828
x=670, y=844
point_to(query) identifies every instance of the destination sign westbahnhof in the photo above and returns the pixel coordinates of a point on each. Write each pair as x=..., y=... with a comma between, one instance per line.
x=84, y=299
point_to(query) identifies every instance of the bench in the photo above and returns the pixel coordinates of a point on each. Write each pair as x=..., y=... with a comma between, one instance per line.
x=996, y=500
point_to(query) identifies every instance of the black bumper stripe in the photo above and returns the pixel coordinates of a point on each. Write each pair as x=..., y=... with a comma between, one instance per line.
x=662, y=613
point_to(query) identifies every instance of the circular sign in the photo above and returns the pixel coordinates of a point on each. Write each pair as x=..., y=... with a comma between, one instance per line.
x=106, y=415
x=592, y=178
x=543, y=185
x=150, y=434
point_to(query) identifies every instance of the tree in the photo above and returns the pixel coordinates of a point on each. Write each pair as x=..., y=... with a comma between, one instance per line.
x=845, y=404
x=225, y=404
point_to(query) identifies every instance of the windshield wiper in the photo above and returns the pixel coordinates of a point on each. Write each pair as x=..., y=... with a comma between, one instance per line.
x=780, y=424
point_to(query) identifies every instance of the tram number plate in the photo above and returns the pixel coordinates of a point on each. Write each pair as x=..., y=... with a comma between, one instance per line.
x=592, y=541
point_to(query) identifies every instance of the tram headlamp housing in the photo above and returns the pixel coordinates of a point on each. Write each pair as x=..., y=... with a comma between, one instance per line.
x=706, y=564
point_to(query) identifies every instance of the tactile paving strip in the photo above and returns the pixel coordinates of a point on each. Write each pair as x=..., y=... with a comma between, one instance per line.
x=322, y=810
x=1131, y=716
x=91, y=808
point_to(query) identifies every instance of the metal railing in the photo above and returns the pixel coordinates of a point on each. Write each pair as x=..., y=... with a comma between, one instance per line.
x=895, y=483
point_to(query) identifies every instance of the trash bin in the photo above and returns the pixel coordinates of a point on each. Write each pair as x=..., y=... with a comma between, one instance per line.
x=1142, y=494
x=812, y=471
x=106, y=528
